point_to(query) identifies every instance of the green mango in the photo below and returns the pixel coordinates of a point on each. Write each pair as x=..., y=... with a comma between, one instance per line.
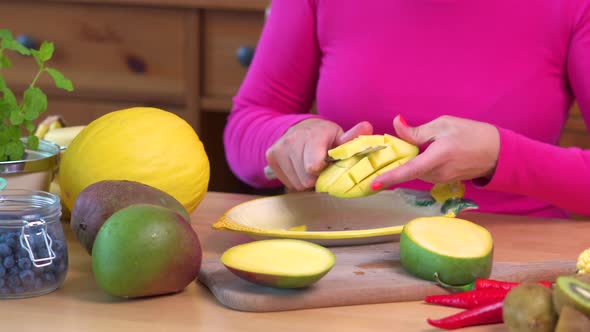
x=145, y=250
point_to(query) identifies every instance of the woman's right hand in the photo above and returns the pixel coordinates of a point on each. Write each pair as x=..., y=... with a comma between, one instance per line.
x=298, y=157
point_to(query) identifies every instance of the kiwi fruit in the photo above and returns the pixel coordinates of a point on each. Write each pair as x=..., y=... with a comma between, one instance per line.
x=571, y=320
x=529, y=307
x=573, y=292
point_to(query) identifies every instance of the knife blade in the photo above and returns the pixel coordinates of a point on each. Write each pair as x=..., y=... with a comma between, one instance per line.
x=269, y=174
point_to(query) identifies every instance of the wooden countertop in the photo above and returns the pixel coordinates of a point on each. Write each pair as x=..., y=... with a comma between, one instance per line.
x=79, y=306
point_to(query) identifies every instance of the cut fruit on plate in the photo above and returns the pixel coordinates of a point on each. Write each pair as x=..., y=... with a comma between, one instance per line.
x=456, y=250
x=279, y=263
x=327, y=220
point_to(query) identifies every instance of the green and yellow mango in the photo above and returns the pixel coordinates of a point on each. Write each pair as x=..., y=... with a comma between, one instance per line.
x=352, y=173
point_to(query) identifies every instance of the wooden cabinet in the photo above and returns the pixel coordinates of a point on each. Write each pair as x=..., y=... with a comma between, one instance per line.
x=179, y=55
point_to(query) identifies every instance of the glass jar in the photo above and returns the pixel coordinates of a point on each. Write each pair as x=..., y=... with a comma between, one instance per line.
x=33, y=251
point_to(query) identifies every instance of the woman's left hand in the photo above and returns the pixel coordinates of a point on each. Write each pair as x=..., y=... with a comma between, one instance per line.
x=459, y=149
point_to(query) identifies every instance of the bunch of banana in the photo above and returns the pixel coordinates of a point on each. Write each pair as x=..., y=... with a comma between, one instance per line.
x=54, y=129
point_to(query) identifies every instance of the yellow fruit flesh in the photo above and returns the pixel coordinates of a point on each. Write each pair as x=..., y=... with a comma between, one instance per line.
x=451, y=236
x=361, y=170
x=402, y=148
x=364, y=187
x=279, y=258
x=352, y=177
x=355, y=146
x=333, y=172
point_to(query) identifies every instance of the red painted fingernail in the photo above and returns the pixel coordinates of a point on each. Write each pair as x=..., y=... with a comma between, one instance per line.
x=403, y=121
x=376, y=186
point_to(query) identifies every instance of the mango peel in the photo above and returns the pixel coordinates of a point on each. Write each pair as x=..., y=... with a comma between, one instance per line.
x=351, y=176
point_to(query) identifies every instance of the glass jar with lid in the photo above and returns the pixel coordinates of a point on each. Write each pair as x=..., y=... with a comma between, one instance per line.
x=33, y=250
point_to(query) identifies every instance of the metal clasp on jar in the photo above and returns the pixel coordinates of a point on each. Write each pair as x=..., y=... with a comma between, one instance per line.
x=37, y=230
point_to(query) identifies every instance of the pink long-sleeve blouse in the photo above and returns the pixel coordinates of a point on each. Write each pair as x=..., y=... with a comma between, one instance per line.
x=518, y=65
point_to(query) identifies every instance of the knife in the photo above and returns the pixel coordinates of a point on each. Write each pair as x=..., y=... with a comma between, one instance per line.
x=271, y=175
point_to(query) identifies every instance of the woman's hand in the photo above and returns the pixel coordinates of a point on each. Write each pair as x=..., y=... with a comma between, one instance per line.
x=298, y=157
x=459, y=149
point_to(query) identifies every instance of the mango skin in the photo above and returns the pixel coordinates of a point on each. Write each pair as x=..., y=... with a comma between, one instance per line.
x=277, y=281
x=146, y=250
x=97, y=202
x=423, y=263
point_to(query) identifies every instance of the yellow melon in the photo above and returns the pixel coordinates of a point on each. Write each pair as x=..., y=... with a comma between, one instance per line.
x=142, y=144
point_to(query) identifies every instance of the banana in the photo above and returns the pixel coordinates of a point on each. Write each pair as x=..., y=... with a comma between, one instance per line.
x=63, y=136
x=49, y=123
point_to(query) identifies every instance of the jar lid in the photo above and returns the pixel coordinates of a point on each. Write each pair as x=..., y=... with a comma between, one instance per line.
x=19, y=206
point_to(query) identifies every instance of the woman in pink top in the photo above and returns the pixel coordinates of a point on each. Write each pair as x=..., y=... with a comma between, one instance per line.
x=484, y=87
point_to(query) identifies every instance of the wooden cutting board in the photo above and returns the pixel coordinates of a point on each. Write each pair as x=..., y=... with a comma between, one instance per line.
x=362, y=275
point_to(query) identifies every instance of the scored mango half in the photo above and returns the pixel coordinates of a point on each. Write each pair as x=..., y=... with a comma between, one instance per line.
x=351, y=175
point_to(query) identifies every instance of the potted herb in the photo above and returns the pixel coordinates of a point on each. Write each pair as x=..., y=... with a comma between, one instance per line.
x=26, y=162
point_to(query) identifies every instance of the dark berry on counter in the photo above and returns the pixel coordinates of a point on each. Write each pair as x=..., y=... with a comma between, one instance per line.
x=12, y=243
x=5, y=250
x=4, y=290
x=59, y=246
x=38, y=283
x=13, y=281
x=22, y=253
x=19, y=289
x=2, y=271
x=48, y=277
x=8, y=262
x=27, y=278
x=13, y=270
x=24, y=263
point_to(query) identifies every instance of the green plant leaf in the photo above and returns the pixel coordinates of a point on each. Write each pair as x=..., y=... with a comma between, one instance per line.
x=9, y=97
x=17, y=117
x=4, y=62
x=34, y=103
x=46, y=51
x=15, y=46
x=6, y=34
x=15, y=150
x=32, y=142
x=5, y=109
x=29, y=125
x=59, y=79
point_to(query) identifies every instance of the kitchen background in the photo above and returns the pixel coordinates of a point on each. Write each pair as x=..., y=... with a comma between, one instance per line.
x=185, y=56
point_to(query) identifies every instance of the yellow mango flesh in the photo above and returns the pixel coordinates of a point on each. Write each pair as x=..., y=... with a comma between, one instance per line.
x=280, y=263
x=333, y=172
x=352, y=177
x=355, y=146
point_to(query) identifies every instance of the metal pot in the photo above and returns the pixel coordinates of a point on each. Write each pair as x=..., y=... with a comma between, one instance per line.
x=35, y=171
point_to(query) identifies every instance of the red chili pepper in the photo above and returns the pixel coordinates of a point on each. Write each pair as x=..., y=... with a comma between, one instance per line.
x=483, y=284
x=486, y=314
x=469, y=299
x=506, y=285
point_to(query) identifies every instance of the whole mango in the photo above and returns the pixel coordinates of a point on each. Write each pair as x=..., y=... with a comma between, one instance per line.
x=145, y=250
x=97, y=202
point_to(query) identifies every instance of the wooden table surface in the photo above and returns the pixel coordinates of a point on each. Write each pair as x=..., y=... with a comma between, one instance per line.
x=80, y=306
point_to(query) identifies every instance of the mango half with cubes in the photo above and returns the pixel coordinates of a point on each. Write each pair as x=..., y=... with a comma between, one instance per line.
x=351, y=175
